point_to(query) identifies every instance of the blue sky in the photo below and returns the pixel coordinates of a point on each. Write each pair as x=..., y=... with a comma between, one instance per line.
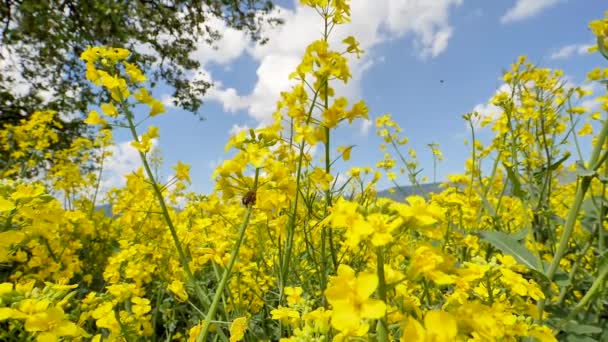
x=410, y=47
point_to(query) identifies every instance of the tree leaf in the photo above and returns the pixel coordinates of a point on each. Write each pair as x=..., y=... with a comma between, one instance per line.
x=508, y=244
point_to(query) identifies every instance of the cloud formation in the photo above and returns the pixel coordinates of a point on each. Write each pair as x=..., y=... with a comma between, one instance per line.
x=570, y=50
x=524, y=9
x=373, y=23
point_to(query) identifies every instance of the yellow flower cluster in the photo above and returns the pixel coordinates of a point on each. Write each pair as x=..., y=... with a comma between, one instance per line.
x=286, y=249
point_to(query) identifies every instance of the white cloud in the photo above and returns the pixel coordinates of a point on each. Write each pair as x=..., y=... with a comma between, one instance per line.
x=124, y=160
x=373, y=22
x=236, y=129
x=167, y=101
x=225, y=50
x=365, y=126
x=426, y=20
x=525, y=9
x=570, y=50
x=488, y=110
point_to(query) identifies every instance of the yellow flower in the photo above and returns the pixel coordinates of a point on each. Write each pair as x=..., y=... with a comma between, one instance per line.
x=256, y=155
x=105, y=317
x=91, y=54
x=418, y=211
x=143, y=96
x=51, y=325
x=349, y=296
x=439, y=326
x=542, y=333
x=432, y=264
x=237, y=329
x=95, y=119
x=156, y=107
x=115, y=54
x=8, y=313
x=587, y=129
x=145, y=143
x=413, y=331
x=320, y=319
x=182, y=171
x=141, y=306
x=353, y=45
x=109, y=109
x=294, y=295
x=177, y=287
x=320, y=177
x=345, y=150
x=286, y=315
x=359, y=110
x=383, y=226
x=6, y=204
x=134, y=73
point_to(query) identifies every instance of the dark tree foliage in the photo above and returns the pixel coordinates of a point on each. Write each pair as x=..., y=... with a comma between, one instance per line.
x=41, y=41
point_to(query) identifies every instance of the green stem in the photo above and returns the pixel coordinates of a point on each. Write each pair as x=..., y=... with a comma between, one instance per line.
x=382, y=326
x=292, y=219
x=581, y=190
x=575, y=266
x=580, y=194
x=233, y=256
x=597, y=285
x=202, y=297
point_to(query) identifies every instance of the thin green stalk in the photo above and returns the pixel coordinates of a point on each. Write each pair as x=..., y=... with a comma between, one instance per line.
x=165, y=212
x=581, y=190
x=578, y=201
x=233, y=256
x=292, y=219
x=597, y=285
x=575, y=266
x=97, y=185
x=382, y=326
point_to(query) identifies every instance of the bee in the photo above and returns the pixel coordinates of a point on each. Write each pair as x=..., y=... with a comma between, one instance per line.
x=249, y=199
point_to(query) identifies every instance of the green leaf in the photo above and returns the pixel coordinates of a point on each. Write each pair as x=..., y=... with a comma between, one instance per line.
x=579, y=338
x=553, y=166
x=560, y=278
x=581, y=329
x=513, y=177
x=582, y=171
x=520, y=235
x=508, y=244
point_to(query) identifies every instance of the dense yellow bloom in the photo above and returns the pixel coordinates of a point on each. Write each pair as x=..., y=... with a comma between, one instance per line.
x=427, y=258
x=439, y=326
x=349, y=295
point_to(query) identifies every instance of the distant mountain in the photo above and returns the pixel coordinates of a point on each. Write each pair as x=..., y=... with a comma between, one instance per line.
x=399, y=194
x=106, y=208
